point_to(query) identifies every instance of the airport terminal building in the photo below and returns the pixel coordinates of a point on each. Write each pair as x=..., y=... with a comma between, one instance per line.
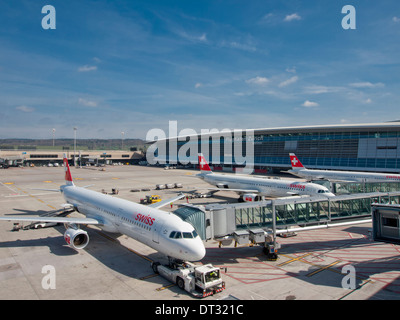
x=361, y=147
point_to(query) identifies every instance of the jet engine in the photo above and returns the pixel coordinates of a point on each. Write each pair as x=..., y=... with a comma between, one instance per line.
x=76, y=238
x=248, y=197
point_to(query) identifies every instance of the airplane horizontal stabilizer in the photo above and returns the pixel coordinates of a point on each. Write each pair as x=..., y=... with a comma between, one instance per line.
x=53, y=190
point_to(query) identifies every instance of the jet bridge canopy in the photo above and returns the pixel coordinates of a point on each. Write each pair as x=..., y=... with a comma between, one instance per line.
x=195, y=216
x=309, y=210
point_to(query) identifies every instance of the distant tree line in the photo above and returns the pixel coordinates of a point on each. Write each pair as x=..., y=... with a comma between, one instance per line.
x=64, y=144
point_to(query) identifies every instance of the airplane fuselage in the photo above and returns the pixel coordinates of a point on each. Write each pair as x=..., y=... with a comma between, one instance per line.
x=150, y=226
x=346, y=176
x=266, y=187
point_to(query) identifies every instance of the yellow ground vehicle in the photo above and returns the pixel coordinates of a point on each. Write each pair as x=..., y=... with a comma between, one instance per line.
x=151, y=199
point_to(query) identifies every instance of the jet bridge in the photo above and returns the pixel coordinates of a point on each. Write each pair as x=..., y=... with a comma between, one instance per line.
x=385, y=223
x=261, y=221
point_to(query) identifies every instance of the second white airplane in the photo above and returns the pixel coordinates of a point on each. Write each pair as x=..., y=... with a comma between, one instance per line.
x=249, y=188
x=339, y=176
x=160, y=230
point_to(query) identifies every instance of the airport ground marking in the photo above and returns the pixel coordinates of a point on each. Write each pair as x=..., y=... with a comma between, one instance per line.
x=27, y=194
x=166, y=287
x=322, y=268
x=7, y=185
x=293, y=259
x=149, y=276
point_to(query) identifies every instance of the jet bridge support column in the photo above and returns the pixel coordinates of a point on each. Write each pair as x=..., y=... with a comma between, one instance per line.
x=271, y=246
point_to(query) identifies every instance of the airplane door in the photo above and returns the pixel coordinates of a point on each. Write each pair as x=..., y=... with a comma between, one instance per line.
x=157, y=230
x=118, y=219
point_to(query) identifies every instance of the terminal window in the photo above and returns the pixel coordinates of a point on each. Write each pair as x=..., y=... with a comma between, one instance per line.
x=390, y=222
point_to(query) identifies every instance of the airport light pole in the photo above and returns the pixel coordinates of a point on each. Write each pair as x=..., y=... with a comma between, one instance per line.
x=122, y=140
x=75, y=128
x=54, y=133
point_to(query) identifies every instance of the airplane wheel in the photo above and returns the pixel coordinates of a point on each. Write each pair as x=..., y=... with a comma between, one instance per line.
x=180, y=283
x=154, y=266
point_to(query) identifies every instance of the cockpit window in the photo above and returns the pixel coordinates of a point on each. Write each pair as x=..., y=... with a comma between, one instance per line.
x=186, y=235
x=175, y=235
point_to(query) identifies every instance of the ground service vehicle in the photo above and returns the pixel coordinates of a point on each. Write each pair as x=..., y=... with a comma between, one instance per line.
x=151, y=199
x=200, y=281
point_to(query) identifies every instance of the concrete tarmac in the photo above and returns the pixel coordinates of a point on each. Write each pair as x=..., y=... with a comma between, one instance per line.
x=310, y=265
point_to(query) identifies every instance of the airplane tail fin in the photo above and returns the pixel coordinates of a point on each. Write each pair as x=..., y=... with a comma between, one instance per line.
x=68, y=177
x=204, y=167
x=296, y=164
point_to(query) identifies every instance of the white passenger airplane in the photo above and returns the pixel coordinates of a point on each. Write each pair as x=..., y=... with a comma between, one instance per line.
x=249, y=188
x=160, y=230
x=339, y=176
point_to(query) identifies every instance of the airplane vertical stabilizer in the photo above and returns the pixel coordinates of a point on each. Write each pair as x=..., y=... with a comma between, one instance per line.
x=296, y=164
x=204, y=167
x=68, y=177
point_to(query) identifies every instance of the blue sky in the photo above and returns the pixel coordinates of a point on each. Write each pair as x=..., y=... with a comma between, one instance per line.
x=131, y=66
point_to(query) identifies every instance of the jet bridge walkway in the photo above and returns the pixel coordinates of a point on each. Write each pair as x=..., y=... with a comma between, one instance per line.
x=256, y=221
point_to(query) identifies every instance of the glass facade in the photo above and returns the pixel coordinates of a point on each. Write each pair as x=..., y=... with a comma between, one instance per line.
x=364, y=147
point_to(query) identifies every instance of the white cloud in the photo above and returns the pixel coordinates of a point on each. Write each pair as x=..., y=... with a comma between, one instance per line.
x=288, y=81
x=203, y=37
x=191, y=37
x=25, y=109
x=315, y=89
x=292, y=17
x=258, y=80
x=368, y=100
x=198, y=85
x=87, y=68
x=267, y=17
x=291, y=70
x=87, y=103
x=396, y=19
x=310, y=104
x=367, y=85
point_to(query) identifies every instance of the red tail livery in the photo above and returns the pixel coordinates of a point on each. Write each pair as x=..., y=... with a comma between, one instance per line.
x=204, y=167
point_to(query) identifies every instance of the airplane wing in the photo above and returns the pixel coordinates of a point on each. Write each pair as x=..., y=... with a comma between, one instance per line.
x=163, y=203
x=51, y=219
x=342, y=180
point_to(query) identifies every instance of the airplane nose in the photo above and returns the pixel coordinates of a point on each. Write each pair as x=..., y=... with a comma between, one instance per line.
x=199, y=253
x=196, y=252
